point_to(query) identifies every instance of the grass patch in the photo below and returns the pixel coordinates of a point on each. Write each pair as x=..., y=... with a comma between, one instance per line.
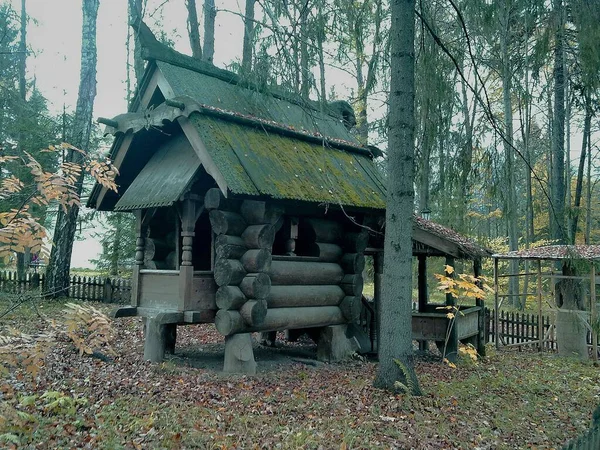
x=509, y=400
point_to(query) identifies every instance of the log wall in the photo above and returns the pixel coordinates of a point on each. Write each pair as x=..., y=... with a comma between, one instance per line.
x=261, y=292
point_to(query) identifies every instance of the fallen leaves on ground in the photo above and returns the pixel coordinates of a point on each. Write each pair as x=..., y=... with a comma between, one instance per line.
x=508, y=400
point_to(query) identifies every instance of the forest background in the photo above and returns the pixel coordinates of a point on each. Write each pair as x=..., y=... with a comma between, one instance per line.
x=504, y=135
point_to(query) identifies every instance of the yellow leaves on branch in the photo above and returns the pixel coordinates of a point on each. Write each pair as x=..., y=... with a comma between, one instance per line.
x=463, y=284
x=20, y=229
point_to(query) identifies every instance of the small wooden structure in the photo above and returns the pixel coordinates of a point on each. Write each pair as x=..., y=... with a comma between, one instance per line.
x=550, y=253
x=429, y=320
x=250, y=209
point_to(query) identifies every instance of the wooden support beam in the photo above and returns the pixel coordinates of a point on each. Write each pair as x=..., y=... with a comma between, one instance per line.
x=305, y=273
x=259, y=236
x=230, y=297
x=328, y=252
x=258, y=212
x=239, y=354
x=297, y=296
x=422, y=283
x=256, y=285
x=231, y=322
x=257, y=260
x=353, y=262
x=229, y=272
x=225, y=222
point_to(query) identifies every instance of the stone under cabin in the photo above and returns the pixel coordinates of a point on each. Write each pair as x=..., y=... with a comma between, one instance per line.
x=255, y=211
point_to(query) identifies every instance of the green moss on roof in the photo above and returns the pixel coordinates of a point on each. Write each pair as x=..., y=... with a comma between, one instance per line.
x=255, y=162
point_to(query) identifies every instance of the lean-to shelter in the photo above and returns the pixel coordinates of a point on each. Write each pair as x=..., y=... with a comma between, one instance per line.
x=253, y=209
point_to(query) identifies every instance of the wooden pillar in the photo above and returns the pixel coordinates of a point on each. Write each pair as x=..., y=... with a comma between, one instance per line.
x=539, y=301
x=239, y=354
x=189, y=212
x=593, y=311
x=452, y=344
x=142, y=217
x=482, y=335
x=422, y=283
x=378, y=291
x=496, y=319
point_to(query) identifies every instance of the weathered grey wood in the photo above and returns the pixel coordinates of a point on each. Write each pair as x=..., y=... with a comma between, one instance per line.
x=351, y=307
x=353, y=285
x=214, y=199
x=259, y=236
x=305, y=273
x=334, y=345
x=156, y=340
x=202, y=316
x=258, y=212
x=156, y=250
x=225, y=222
x=225, y=239
x=254, y=312
x=356, y=242
x=230, y=251
x=229, y=272
x=353, y=262
x=328, y=231
x=328, y=252
x=231, y=322
x=297, y=296
x=256, y=285
x=158, y=290
x=239, y=354
x=230, y=297
x=257, y=260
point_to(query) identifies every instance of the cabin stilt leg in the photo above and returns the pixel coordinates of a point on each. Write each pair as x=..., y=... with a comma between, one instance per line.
x=156, y=340
x=239, y=354
x=334, y=345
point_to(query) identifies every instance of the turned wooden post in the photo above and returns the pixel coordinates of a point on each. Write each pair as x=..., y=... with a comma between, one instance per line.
x=142, y=217
x=189, y=212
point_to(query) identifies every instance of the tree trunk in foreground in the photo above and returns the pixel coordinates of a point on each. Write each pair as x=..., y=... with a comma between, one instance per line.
x=57, y=274
x=395, y=313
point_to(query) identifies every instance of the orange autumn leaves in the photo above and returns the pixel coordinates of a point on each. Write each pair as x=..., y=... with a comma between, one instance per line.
x=20, y=229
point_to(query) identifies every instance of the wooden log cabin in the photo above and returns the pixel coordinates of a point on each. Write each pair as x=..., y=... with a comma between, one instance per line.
x=250, y=210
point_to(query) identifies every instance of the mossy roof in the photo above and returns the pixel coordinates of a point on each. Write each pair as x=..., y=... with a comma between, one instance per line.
x=256, y=162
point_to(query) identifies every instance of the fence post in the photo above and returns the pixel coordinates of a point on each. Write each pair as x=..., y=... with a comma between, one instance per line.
x=107, y=291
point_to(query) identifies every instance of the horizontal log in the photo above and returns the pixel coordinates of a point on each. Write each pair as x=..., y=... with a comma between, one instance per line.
x=257, y=212
x=229, y=251
x=254, y=312
x=257, y=260
x=305, y=273
x=353, y=262
x=353, y=285
x=231, y=322
x=225, y=222
x=256, y=285
x=156, y=249
x=327, y=231
x=214, y=199
x=225, y=239
x=297, y=296
x=351, y=307
x=230, y=297
x=259, y=236
x=328, y=252
x=356, y=242
x=229, y=272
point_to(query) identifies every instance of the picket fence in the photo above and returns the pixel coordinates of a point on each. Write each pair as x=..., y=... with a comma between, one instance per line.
x=98, y=289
